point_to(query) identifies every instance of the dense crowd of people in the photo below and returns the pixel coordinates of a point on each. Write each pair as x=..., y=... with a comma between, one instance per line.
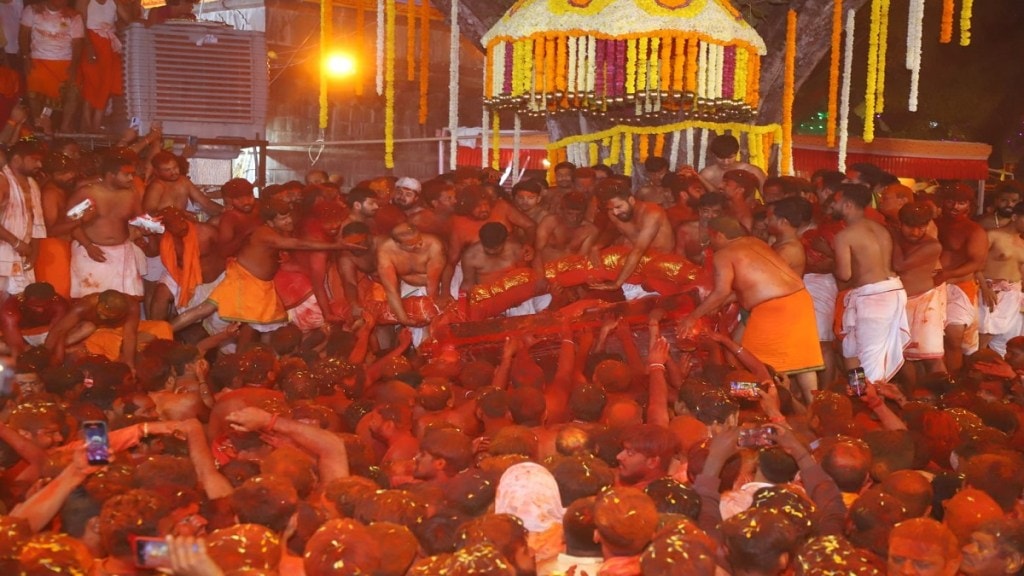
x=831, y=387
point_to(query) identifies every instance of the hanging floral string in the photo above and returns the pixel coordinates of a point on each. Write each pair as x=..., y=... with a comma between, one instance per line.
x=946, y=31
x=915, y=31
x=883, y=46
x=659, y=145
x=485, y=142
x=627, y=154
x=594, y=155
x=360, y=40
x=673, y=160
x=496, y=141
x=424, y=60
x=410, y=40
x=644, y=145
x=326, y=17
x=844, y=104
x=517, y=132
x=965, y=22
x=833, y=72
x=389, y=85
x=788, y=93
x=872, y=78
x=453, y=86
x=380, y=47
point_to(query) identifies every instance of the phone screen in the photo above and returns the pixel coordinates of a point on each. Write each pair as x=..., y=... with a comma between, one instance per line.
x=97, y=444
x=151, y=552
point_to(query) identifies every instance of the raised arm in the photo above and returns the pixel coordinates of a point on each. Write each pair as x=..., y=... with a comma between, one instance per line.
x=40, y=508
x=327, y=446
x=208, y=205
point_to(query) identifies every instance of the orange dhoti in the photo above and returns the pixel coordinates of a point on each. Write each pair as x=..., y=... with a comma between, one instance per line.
x=242, y=297
x=47, y=76
x=54, y=264
x=101, y=78
x=107, y=341
x=783, y=333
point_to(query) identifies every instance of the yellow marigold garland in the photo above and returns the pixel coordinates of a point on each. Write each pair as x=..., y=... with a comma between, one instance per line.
x=966, y=10
x=946, y=31
x=594, y=151
x=788, y=93
x=739, y=91
x=872, y=77
x=631, y=66
x=326, y=17
x=540, y=66
x=883, y=46
x=389, y=83
x=425, y=60
x=833, y=73
x=360, y=38
x=627, y=155
x=615, y=150
x=496, y=141
x=641, y=64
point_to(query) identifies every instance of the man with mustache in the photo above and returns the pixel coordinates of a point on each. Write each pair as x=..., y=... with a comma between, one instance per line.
x=1008, y=195
x=239, y=219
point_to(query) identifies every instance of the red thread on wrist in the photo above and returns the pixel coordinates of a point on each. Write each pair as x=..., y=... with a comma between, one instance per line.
x=270, y=425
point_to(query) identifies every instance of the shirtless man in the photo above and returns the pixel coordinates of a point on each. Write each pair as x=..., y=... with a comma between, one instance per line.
x=999, y=317
x=362, y=205
x=724, y=150
x=239, y=218
x=692, y=238
x=102, y=255
x=785, y=217
x=474, y=209
x=527, y=196
x=170, y=188
x=107, y=309
x=247, y=294
x=168, y=294
x=641, y=225
x=781, y=331
x=915, y=257
x=27, y=318
x=740, y=187
x=964, y=251
x=407, y=197
x=566, y=231
x=317, y=306
x=875, y=325
x=654, y=189
x=495, y=253
x=1008, y=195
x=356, y=263
x=410, y=264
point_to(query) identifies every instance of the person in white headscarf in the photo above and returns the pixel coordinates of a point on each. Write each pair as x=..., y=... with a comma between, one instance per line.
x=529, y=492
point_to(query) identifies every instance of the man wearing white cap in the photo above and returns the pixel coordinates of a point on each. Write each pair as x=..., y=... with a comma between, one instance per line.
x=407, y=198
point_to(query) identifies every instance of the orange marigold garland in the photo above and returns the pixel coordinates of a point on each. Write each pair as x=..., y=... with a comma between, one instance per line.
x=946, y=31
x=410, y=40
x=788, y=93
x=833, y=72
x=360, y=38
x=659, y=145
x=424, y=60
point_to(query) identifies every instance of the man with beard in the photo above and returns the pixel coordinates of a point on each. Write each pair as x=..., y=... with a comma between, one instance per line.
x=655, y=190
x=21, y=220
x=784, y=218
x=641, y=225
x=964, y=251
x=362, y=205
x=54, y=262
x=915, y=257
x=407, y=197
x=566, y=231
x=781, y=331
x=103, y=256
x=170, y=188
x=692, y=238
x=999, y=317
x=875, y=325
x=1008, y=195
x=357, y=265
x=890, y=200
x=528, y=198
x=314, y=305
x=27, y=318
x=247, y=294
x=192, y=263
x=239, y=218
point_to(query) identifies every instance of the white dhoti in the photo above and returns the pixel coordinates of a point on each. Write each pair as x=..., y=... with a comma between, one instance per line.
x=875, y=328
x=122, y=271
x=636, y=292
x=531, y=306
x=926, y=314
x=199, y=294
x=1004, y=322
x=961, y=310
x=823, y=290
x=408, y=291
x=155, y=269
x=456, y=284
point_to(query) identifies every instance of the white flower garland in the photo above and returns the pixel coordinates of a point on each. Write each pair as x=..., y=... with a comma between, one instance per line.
x=571, y=72
x=702, y=67
x=592, y=66
x=673, y=154
x=719, y=71
x=380, y=48
x=453, y=86
x=844, y=99
x=689, y=147
x=915, y=28
x=517, y=132
x=705, y=135
x=584, y=63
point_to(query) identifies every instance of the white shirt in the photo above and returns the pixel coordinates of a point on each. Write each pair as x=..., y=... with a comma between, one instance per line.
x=10, y=21
x=52, y=32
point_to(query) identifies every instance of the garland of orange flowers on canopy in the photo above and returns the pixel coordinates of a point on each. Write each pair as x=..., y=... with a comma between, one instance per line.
x=789, y=93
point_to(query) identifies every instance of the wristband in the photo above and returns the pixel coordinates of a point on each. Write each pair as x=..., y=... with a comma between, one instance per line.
x=656, y=365
x=567, y=341
x=270, y=425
